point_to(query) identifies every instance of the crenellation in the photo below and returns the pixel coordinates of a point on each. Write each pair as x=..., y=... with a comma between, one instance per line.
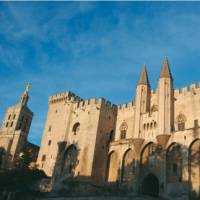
x=176, y=92
x=193, y=86
x=64, y=96
x=184, y=90
x=87, y=102
x=108, y=104
x=128, y=105
x=93, y=101
x=193, y=89
x=94, y=124
x=101, y=101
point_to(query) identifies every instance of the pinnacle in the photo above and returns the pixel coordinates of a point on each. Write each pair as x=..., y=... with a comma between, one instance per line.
x=143, y=77
x=165, y=72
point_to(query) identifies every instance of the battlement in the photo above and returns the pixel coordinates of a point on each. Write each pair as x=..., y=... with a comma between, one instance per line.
x=64, y=96
x=129, y=105
x=194, y=88
x=100, y=102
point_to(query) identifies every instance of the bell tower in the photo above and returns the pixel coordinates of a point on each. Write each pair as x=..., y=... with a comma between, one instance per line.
x=15, y=129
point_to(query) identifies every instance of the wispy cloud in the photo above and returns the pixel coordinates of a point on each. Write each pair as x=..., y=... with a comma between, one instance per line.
x=84, y=47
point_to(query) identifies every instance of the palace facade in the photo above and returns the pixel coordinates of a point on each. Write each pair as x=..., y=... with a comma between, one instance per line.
x=149, y=146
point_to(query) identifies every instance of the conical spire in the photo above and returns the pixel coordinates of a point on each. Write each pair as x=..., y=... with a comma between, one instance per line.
x=25, y=96
x=165, y=72
x=144, y=77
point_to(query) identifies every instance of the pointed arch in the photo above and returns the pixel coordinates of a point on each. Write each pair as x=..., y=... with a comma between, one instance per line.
x=112, y=167
x=150, y=159
x=174, y=163
x=147, y=151
x=69, y=161
x=194, y=169
x=128, y=165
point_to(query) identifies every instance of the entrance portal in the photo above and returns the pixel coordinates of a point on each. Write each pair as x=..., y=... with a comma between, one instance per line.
x=150, y=185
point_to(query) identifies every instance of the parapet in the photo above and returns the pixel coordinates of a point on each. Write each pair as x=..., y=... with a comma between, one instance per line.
x=64, y=96
x=99, y=103
x=129, y=105
x=194, y=88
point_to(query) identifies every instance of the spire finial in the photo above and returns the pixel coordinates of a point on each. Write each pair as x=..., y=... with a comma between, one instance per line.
x=165, y=72
x=25, y=96
x=144, y=77
x=27, y=88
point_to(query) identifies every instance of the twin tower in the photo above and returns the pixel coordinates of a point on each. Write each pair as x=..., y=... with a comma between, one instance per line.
x=165, y=100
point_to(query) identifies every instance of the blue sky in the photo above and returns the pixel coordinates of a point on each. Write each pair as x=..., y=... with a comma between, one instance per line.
x=93, y=49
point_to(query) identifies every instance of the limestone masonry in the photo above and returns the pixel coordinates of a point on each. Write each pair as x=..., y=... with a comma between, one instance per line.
x=14, y=133
x=149, y=146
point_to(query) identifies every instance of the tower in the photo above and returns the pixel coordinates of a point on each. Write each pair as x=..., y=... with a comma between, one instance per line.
x=165, y=100
x=143, y=93
x=15, y=129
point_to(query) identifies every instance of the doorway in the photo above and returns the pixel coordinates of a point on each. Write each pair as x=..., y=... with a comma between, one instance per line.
x=150, y=185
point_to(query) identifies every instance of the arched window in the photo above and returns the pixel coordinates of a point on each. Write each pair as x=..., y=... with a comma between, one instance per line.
x=11, y=124
x=181, y=119
x=7, y=124
x=76, y=128
x=9, y=116
x=123, y=130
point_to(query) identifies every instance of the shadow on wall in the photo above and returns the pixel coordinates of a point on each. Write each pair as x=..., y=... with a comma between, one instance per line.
x=173, y=172
x=5, y=158
x=66, y=182
x=2, y=157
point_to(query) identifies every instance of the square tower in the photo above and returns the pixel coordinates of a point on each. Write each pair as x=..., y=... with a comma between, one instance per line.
x=14, y=131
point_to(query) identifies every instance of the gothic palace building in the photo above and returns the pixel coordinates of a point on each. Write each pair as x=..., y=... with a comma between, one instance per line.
x=150, y=145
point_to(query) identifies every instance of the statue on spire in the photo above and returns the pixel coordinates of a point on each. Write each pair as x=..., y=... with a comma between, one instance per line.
x=27, y=88
x=25, y=96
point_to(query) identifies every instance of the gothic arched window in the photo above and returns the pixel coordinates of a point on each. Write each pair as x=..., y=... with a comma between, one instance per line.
x=76, y=128
x=123, y=130
x=181, y=119
x=9, y=116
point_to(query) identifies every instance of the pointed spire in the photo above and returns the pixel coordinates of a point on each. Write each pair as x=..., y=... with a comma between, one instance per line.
x=165, y=72
x=144, y=77
x=24, y=98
